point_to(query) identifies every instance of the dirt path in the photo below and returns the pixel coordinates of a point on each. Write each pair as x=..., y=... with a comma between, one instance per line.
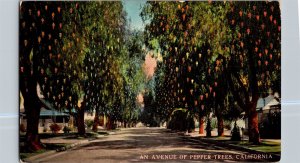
x=136, y=144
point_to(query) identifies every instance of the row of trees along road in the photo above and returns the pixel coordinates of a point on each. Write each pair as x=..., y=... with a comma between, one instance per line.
x=217, y=56
x=77, y=52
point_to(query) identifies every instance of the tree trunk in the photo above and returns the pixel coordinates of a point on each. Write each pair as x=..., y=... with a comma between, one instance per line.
x=71, y=122
x=33, y=142
x=220, y=126
x=201, y=125
x=253, y=84
x=130, y=124
x=253, y=130
x=96, y=121
x=32, y=106
x=80, y=121
x=108, y=124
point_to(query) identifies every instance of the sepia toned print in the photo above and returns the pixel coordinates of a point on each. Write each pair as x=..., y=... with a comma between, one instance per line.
x=148, y=81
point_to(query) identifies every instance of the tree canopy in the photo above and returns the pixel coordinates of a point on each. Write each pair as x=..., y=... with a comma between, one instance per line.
x=215, y=57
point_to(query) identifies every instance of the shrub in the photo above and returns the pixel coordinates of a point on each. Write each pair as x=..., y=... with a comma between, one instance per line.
x=55, y=128
x=271, y=127
x=66, y=129
x=208, y=128
x=235, y=133
x=179, y=121
x=190, y=124
x=214, y=123
x=89, y=123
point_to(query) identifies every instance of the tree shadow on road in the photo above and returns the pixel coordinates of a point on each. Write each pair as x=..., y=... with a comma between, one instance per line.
x=132, y=145
x=158, y=156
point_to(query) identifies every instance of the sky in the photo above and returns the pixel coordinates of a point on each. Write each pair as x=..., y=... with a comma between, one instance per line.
x=133, y=9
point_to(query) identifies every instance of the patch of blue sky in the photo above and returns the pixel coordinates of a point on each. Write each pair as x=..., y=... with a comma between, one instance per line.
x=133, y=9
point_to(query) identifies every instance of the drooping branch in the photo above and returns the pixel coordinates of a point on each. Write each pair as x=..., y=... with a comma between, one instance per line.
x=235, y=92
x=241, y=86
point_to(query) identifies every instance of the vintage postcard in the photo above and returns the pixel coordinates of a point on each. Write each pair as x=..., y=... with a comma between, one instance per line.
x=150, y=81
